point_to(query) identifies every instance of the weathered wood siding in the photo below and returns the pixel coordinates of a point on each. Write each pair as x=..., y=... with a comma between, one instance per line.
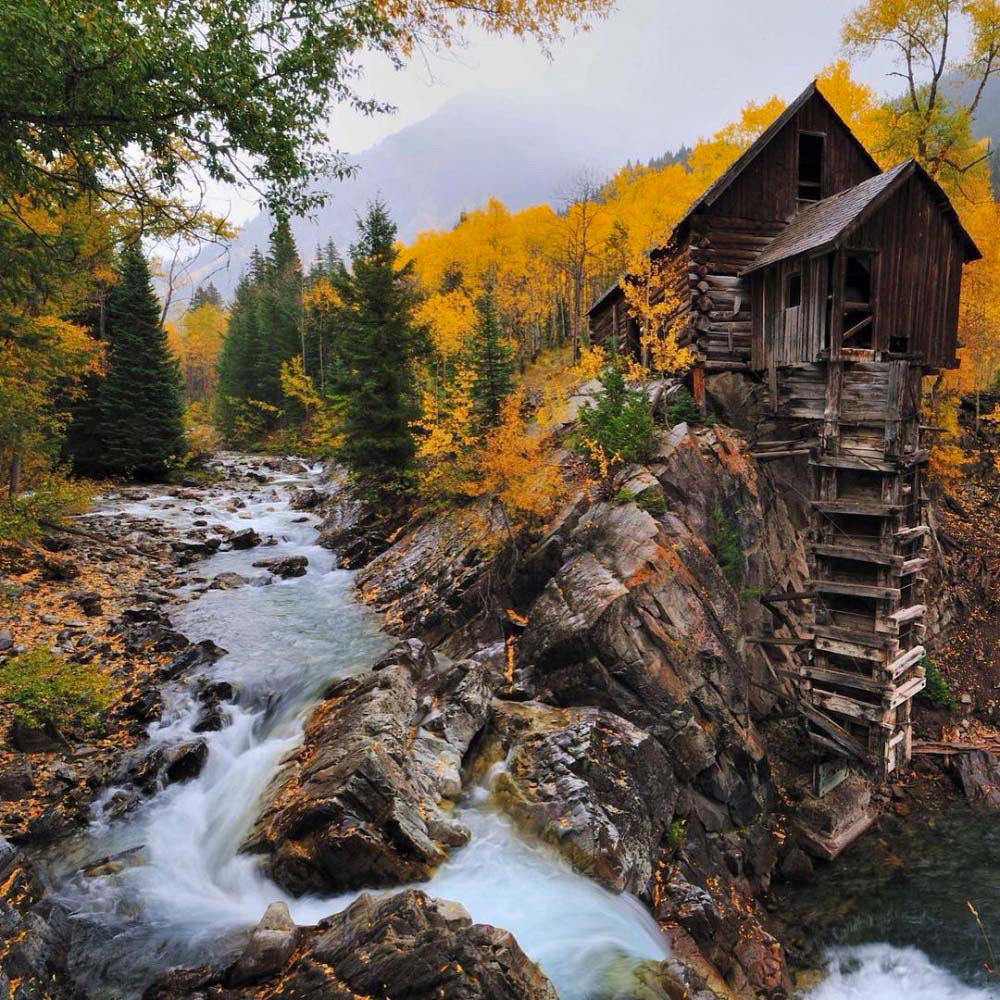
x=767, y=189
x=784, y=335
x=918, y=274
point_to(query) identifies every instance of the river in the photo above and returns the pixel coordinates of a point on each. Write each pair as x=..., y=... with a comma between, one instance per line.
x=184, y=892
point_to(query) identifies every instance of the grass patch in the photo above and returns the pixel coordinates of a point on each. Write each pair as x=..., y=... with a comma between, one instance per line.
x=726, y=545
x=42, y=687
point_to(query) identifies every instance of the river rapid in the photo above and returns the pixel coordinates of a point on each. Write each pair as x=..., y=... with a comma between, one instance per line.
x=181, y=894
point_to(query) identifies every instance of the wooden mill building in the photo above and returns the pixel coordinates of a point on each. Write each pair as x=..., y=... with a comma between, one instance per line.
x=837, y=286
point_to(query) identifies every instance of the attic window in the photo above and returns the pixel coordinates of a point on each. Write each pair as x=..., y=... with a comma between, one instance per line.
x=810, y=185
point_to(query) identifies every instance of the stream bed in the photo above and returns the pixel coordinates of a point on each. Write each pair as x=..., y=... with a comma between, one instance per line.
x=179, y=892
x=890, y=916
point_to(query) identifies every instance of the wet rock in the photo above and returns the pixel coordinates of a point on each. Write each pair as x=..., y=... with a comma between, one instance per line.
x=211, y=720
x=285, y=566
x=6, y=640
x=401, y=947
x=826, y=826
x=270, y=946
x=979, y=776
x=246, y=539
x=227, y=581
x=599, y=788
x=797, y=867
x=184, y=762
x=200, y=654
x=413, y=654
x=364, y=800
x=308, y=499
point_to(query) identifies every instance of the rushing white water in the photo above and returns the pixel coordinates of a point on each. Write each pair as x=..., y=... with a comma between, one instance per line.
x=881, y=972
x=184, y=886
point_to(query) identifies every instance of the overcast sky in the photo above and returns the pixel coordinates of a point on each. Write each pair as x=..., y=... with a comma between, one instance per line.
x=657, y=72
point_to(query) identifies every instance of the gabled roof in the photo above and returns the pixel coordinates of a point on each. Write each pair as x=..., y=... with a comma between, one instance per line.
x=721, y=185
x=718, y=187
x=821, y=226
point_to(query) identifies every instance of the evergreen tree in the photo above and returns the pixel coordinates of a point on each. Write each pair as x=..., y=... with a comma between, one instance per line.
x=492, y=360
x=142, y=415
x=280, y=318
x=378, y=343
x=205, y=294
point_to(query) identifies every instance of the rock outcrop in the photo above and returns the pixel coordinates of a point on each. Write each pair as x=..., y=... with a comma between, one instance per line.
x=594, y=785
x=630, y=619
x=400, y=947
x=364, y=800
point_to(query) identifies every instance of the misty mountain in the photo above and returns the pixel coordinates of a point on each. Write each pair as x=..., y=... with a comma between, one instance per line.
x=428, y=173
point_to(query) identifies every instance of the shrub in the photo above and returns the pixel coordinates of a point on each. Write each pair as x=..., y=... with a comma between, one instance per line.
x=937, y=692
x=676, y=834
x=726, y=545
x=619, y=428
x=624, y=496
x=22, y=517
x=682, y=409
x=652, y=503
x=42, y=687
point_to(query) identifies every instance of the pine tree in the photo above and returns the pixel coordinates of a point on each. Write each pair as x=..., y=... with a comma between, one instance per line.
x=203, y=294
x=378, y=343
x=142, y=415
x=492, y=359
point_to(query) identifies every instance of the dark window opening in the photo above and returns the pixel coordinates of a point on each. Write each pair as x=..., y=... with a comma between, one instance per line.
x=793, y=294
x=810, y=186
x=859, y=320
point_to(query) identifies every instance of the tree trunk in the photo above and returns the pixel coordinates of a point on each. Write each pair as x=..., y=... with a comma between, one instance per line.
x=14, y=486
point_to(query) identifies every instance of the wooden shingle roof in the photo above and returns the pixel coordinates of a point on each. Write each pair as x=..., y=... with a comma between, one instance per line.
x=821, y=226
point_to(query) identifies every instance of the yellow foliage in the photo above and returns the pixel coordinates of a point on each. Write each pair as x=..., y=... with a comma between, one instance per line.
x=591, y=363
x=446, y=441
x=196, y=341
x=516, y=468
x=319, y=431
x=450, y=318
x=322, y=297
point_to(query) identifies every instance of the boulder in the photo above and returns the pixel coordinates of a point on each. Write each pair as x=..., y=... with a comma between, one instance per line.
x=364, y=800
x=979, y=775
x=308, y=499
x=199, y=654
x=227, y=581
x=270, y=946
x=246, y=539
x=284, y=566
x=399, y=947
x=16, y=779
x=599, y=788
x=185, y=761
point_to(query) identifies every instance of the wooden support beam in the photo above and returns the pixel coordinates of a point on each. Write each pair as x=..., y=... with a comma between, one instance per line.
x=763, y=456
x=874, y=508
x=911, y=534
x=856, y=589
x=858, y=554
x=844, y=678
x=867, y=639
x=909, y=690
x=913, y=566
x=904, y=661
x=801, y=595
x=842, y=704
x=835, y=731
x=853, y=650
x=777, y=640
x=904, y=615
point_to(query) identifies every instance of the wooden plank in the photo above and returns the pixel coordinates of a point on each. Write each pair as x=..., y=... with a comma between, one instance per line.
x=844, y=678
x=844, y=705
x=910, y=534
x=871, y=507
x=907, y=614
x=904, y=661
x=858, y=554
x=854, y=650
x=856, y=589
x=835, y=731
x=909, y=690
x=777, y=640
x=913, y=566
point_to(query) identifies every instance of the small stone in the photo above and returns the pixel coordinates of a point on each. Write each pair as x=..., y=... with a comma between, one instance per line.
x=49, y=620
x=6, y=640
x=246, y=539
x=966, y=698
